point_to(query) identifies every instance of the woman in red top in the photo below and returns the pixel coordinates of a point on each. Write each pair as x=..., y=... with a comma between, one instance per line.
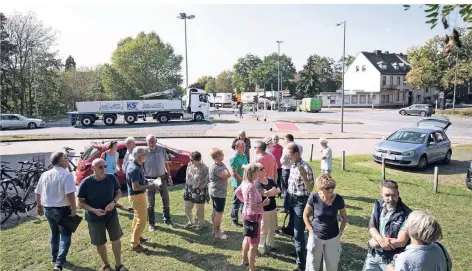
x=253, y=208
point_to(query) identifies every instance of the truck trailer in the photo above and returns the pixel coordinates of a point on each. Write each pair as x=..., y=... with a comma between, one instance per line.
x=194, y=105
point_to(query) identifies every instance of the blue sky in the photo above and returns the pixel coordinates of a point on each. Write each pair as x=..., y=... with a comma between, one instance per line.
x=221, y=33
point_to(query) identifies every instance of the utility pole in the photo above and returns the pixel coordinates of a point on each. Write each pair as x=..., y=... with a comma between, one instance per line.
x=278, y=72
x=344, y=63
x=184, y=17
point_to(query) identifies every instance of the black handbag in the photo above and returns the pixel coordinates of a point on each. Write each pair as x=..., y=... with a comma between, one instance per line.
x=286, y=229
x=70, y=222
x=250, y=228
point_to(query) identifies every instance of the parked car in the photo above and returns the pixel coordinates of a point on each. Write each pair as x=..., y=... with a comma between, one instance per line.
x=19, y=121
x=417, y=109
x=177, y=160
x=417, y=147
x=468, y=177
x=448, y=103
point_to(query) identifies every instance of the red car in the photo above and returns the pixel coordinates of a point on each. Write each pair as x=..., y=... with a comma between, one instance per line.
x=177, y=161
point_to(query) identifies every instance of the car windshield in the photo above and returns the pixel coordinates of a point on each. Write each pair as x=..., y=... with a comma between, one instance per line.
x=91, y=151
x=170, y=148
x=411, y=137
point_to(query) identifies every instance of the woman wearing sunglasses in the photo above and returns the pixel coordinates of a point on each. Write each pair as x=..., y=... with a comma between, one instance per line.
x=324, y=240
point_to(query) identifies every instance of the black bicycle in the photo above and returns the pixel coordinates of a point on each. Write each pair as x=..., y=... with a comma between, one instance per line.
x=14, y=203
x=28, y=174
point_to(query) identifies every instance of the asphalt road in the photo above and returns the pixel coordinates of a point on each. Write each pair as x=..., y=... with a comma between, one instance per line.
x=380, y=122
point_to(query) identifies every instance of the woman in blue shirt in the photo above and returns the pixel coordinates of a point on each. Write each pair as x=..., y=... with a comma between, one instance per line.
x=324, y=240
x=111, y=158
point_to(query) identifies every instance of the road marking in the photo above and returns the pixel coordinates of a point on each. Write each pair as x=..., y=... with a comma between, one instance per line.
x=285, y=126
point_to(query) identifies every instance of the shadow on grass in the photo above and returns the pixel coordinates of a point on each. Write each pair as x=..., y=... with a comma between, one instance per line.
x=74, y=267
x=363, y=199
x=361, y=222
x=352, y=257
x=352, y=207
x=213, y=261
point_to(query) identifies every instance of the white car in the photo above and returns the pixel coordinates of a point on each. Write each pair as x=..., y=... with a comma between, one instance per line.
x=19, y=121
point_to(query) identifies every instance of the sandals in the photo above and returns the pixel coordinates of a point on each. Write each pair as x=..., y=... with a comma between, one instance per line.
x=106, y=268
x=121, y=268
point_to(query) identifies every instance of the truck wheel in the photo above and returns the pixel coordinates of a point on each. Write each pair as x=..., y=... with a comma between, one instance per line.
x=109, y=120
x=163, y=118
x=198, y=117
x=130, y=118
x=86, y=121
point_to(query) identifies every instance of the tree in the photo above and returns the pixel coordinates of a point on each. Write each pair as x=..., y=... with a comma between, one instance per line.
x=242, y=70
x=6, y=50
x=70, y=63
x=316, y=76
x=202, y=81
x=211, y=86
x=434, y=12
x=224, y=81
x=338, y=69
x=31, y=54
x=142, y=65
x=266, y=75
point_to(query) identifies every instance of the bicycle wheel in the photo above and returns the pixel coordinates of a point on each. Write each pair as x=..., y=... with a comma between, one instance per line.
x=29, y=199
x=6, y=209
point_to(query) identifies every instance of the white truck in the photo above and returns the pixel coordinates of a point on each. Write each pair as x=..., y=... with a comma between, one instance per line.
x=221, y=99
x=194, y=105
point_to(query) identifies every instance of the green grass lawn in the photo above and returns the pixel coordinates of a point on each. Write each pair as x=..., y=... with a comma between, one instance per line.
x=26, y=246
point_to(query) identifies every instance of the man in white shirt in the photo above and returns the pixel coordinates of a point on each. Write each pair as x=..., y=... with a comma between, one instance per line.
x=286, y=165
x=130, y=144
x=326, y=157
x=55, y=197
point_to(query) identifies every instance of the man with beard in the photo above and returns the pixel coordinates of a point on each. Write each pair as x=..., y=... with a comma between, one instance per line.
x=387, y=228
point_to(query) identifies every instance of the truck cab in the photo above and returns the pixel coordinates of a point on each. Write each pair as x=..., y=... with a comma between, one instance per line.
x=197, y=103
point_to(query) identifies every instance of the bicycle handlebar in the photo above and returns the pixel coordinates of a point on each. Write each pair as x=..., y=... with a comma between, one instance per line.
x=6, y=163
x=68, y=149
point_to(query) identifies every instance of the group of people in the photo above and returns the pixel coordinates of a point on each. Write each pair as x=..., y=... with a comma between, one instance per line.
x=400, y=239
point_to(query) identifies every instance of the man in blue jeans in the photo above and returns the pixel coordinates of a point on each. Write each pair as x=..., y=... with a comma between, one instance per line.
x=300, y=184
x=55, y=197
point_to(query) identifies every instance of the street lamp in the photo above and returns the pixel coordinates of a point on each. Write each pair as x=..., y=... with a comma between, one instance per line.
x=344, y=63
x=184, y=17
x=278, y=71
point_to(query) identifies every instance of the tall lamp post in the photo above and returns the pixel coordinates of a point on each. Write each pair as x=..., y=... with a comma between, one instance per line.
x=184, y=16
x=278, y=71
x=344, y=63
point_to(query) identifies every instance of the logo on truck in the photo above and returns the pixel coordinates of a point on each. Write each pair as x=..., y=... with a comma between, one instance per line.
x=132, y=105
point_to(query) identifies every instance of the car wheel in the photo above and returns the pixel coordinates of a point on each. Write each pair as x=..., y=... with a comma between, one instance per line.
x=181, y=174
x=468, y=182
x=423, y=162
x=447, y=158
x=198, y=117
x=32, y=125
x=1, y=128
x=402, y=112
x=423, y=113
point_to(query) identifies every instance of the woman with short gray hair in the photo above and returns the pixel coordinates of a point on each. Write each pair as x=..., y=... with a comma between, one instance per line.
x=424, y=252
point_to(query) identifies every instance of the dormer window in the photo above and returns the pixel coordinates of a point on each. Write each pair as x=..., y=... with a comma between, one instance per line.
x=402, y=66
x=357, y=68
x=382, y=65
x=395, y=66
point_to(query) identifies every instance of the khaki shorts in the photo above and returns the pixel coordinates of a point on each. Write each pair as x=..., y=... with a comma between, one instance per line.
x=98, y=231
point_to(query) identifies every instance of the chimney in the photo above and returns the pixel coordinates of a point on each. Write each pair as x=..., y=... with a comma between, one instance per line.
x=386, y=52
x=377, y=52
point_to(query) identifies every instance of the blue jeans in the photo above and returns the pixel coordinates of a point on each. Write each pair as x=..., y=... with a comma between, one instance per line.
x=374, y=263
x=284, y=187
x=60, y=237
x=296, y=208
x=235, y=208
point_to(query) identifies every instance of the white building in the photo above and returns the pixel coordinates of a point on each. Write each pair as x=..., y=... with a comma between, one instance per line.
x=377, y=78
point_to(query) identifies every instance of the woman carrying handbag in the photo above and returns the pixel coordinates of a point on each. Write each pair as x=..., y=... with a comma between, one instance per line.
x=252, y=213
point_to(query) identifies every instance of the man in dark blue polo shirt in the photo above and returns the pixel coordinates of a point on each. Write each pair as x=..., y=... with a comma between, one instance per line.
x=137, y=185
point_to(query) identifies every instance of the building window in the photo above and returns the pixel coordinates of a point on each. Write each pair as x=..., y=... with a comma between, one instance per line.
x=384, y=80
x=347, y=99
x=369, y=99
x=426, y=90
x=363, y=68
x=398, y=80
x=398, y=96
x=391, y=80
x=354, y=99
x=382, y=100
x=357, y=68
x=362, y=99
x=418, y=97
x=404, y=81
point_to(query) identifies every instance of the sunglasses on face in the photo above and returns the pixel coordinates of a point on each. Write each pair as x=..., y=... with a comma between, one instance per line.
x=102, y=167
x=330, y=187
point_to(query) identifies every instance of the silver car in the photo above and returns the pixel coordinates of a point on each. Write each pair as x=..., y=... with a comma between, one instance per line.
x=417, y=147
x=417, y=109
x=19, y=121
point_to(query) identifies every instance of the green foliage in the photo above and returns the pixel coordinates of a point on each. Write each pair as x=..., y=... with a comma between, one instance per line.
x=142, y=65
x=224, y=81
x=70, y=63
x=434, y=12
x=316, y=76
x=267, y=73
x=242, y=70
